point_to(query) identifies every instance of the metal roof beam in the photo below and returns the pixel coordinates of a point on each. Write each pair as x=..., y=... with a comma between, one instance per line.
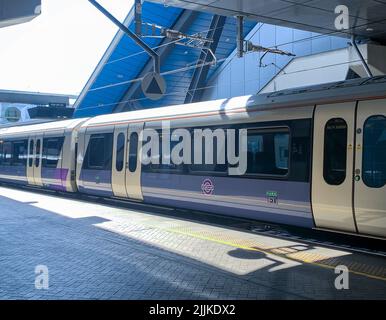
x=200, y=74
x=184, y=21
x=132, y=35
x=364, y=63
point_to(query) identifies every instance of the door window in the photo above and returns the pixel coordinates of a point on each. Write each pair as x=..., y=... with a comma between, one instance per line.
x=37, y=159
x=374, y=152
x=133, y=152
x=335, y=151
x=31, y=152
x=52, y=148
x=99, y=152
x=120, y=157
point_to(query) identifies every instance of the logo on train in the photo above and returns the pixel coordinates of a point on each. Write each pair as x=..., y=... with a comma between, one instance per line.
x=207, y=187
x=271, y=197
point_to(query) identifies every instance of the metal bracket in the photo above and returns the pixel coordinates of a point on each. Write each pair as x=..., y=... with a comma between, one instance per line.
x=244, y=46
x=193, y=41
x=250, y=47
x=263, y=65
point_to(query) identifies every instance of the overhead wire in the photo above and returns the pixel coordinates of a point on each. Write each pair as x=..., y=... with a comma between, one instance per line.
x=184, y=69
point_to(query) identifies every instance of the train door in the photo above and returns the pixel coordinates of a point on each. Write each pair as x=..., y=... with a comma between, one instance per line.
x=119, y=161
x=38, y=160
x=332, y=169
x=133, y=168
x=34, y=165
x=370, y=168
x=31, y=160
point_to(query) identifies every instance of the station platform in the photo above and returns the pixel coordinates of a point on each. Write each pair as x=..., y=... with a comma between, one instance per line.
x=99, y=251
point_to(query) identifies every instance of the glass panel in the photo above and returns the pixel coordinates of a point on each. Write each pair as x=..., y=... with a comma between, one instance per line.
x=7, y=153
x=31, y=151
x=20, y=153
x=52, y=148
x=374, y=152
x=133, y=152
x=96, y=157
x=1, y=151
x=335, y=151
x=120, y=152
x=214, y=166
x=268, y=152
x=37, y=159
x=166, y=168
x=99, y=152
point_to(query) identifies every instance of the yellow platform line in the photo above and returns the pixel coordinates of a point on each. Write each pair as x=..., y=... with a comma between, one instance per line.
x=287, y=256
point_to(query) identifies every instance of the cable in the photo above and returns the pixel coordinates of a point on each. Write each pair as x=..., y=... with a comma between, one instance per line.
x=296, y=41
x=230, y=59
x=183, y=69
x=159, y=46
x=220, y=61
x=201, y=88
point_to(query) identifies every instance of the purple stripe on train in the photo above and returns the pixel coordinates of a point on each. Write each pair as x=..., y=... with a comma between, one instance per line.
x=96, y=182
x=276, y=201
x=15, y=174
x=55, y=173
x=59, y=175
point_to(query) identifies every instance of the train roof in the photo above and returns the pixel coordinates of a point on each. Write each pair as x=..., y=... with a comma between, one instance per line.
x=351, y=90
x=358, y=89
x=42, y=127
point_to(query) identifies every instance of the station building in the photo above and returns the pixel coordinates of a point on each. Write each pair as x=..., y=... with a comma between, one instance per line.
x=21, y=107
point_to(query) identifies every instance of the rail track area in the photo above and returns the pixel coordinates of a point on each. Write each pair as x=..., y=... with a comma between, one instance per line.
x=98, y=249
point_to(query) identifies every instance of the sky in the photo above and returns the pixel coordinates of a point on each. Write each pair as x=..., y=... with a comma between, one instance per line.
x=57, y=51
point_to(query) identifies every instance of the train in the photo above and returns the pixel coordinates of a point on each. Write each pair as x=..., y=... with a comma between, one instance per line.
x=316, y=157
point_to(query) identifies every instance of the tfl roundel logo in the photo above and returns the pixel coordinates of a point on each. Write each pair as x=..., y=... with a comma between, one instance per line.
x=207, y=187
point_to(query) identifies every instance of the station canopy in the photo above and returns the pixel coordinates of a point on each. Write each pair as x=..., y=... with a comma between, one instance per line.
x=367, y=18
x=15, y=12
x=112, y=86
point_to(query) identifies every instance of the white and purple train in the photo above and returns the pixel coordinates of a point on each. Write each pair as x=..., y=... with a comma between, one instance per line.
x=316, y=157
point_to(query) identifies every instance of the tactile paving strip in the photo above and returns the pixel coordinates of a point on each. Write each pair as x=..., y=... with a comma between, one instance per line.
x=359, y=264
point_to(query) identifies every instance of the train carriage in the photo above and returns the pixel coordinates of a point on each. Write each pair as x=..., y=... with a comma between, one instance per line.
x=40, y=155
x=316, y=157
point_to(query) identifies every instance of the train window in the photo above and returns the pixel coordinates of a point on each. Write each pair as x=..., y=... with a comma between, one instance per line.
x=52, y=148
x=335, y=151
x=120, y=156
x=160, y=167
x=166, y=168
x=374, y=152
x=37, y=159
x=133, y=151
x=268, y=152
x=7, y=153
x=1, y=152
x=96, y=157
x=99, y=152
x=216, y=166
x=19, y=157
x=31, y=151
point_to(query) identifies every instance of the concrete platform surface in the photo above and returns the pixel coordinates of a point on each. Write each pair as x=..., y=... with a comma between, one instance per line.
x=58, y=248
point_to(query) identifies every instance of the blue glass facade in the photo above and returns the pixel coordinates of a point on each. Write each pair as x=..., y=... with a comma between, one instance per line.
x=244, y=76
x=111, y=89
